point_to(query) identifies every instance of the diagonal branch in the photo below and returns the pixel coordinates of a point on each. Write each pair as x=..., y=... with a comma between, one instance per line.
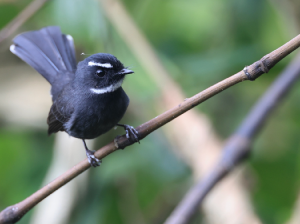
x=199, y=153
x=14, y=213
x=21, y=18
x=238, y=146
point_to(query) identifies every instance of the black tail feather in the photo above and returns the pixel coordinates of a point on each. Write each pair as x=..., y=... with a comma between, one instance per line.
x=70, y=50
x=48, y=51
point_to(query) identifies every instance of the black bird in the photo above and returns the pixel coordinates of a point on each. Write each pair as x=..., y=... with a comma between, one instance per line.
x=88, y=99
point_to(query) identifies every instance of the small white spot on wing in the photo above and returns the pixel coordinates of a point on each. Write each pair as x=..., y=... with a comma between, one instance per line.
x=103, y=65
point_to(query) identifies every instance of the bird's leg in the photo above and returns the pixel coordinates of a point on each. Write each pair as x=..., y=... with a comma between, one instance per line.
x=131, y=133
x=91, y=157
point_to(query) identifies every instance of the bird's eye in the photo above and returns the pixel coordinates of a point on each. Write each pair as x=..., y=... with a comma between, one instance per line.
x=100, y=73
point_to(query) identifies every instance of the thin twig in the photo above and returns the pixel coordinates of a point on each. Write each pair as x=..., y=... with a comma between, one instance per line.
x=14, y=213
x=21, y=18
x=200, y=153
x=238, y=146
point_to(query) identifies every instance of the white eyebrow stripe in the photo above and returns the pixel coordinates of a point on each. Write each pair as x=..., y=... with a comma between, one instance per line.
x=104, y=65
x=108, y=89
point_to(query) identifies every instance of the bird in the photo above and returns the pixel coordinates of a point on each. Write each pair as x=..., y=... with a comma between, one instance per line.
x=87, y=99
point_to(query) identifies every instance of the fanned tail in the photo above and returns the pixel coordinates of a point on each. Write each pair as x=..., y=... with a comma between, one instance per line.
x=49, y=52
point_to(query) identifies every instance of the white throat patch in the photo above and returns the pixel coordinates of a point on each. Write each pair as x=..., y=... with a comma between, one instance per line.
x=103, y=65
x=108, y=89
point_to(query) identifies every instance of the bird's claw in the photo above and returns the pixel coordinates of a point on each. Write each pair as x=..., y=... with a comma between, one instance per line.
x=92, y=158
x=131, y=133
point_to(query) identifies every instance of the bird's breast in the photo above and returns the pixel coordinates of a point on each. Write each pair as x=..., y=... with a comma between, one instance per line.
x=97, y=114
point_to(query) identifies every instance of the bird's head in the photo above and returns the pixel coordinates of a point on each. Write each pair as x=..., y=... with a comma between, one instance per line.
x=101, y=73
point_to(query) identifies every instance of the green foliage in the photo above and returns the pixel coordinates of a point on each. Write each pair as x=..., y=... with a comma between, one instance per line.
x=24, y=159
x=200, y=43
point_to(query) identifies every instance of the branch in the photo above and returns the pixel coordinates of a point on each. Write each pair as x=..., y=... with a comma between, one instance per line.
x=14, y=213
x=21, y=18
x=202, y=152
x=238, y=146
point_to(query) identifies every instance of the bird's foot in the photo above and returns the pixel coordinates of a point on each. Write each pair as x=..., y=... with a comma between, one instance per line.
x=131, y=132
x=92, y=158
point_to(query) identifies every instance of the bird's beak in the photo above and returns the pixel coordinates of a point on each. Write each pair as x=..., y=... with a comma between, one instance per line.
x=125, y=71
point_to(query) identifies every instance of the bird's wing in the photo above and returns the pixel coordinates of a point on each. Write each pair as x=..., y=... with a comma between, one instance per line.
x=59, y=114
